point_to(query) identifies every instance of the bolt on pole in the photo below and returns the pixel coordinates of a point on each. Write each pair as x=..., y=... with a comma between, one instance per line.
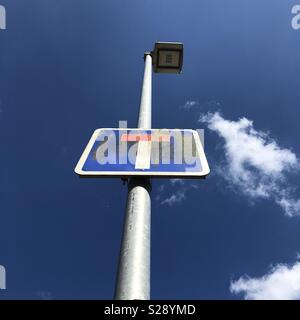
x=133, y=279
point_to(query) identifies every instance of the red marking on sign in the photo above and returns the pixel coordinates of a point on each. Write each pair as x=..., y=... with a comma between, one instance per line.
x=145, y=137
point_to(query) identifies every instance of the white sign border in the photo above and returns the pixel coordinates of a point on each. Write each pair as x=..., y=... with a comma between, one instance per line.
x=201, y=174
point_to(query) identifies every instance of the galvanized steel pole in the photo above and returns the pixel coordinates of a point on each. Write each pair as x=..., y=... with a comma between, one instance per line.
x=133, y=279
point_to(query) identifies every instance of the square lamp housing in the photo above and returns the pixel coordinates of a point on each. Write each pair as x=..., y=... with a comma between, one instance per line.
x=167, y=57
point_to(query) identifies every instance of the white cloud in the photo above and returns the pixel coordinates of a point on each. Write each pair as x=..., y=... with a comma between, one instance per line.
x=290, y=206
x=190, y=104
x=281, y=283
x=175, y=198
x=255, y=164
x=178, y=196
x=160, y=190
x=179, y=181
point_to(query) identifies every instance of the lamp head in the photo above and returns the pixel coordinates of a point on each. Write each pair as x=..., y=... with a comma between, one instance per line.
x=167, y=57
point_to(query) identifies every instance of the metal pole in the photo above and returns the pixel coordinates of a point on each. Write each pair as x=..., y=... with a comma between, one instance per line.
x=144, y=120
x=133, y=280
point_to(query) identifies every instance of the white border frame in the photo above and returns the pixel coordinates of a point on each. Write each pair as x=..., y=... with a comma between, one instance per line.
x=205, y=168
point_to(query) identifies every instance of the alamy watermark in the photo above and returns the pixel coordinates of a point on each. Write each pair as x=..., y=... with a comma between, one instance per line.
x=295, y=20
x=296, y=17
x=142, y=147
x=2, y=18
x=2, y=278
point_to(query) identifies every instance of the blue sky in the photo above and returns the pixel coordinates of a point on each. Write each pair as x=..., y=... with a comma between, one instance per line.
x=70, y=67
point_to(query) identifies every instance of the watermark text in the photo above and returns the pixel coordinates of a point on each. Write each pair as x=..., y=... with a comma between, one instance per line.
x=2, y=18
x=2, y=278
x=296, y=17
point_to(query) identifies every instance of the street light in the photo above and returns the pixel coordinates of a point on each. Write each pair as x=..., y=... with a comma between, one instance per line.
x=167, y=57
x=133, y=279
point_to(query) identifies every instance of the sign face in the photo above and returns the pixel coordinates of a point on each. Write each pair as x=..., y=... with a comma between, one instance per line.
x=140, y=152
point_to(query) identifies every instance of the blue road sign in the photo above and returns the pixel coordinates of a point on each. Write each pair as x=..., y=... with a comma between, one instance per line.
x=138, y=152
